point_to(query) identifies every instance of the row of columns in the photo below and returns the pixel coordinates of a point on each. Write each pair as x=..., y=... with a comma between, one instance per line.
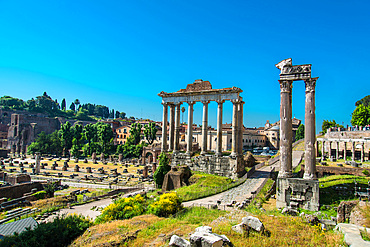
x=174, y=127
x=286, y=133
x=353, y=148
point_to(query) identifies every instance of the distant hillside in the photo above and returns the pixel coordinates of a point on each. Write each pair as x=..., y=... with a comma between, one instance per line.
x=46, y=105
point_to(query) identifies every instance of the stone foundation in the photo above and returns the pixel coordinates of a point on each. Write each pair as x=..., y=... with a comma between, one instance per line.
x=297, y=193
x=223, y=166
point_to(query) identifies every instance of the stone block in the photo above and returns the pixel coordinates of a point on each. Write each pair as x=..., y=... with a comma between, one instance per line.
x=297, y=193
x=254, y=223
x=177, y=241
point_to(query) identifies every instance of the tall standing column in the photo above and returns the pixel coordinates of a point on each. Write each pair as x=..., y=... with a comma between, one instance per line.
x=353, y=150
x=241, y=128
x=345, y=151
x=190, y=129
x=204, y=127
x=177, y=129
x=337, y=152
x=362, y=152
x=322, y=151
x=329, y=152
x=286, y=132
x=172, y=127
x=234, y=139
x=219, y=127
x=310, y=130
x=164, y=127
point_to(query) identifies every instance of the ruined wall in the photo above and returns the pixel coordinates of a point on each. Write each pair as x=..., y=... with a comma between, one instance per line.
x=222, y=166
x=17, y=191
x=329, y=170
x=24, y=129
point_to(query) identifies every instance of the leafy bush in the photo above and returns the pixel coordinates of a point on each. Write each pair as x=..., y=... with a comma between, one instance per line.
x=61, y=232
x=366, y=172
x=167, y=204
x=123, y=208
x=163, y=168
x=40, y=195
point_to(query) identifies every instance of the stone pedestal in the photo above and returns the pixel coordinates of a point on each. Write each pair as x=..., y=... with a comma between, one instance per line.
x=297, y=193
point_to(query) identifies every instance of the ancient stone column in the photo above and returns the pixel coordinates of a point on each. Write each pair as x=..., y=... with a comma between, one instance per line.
x=362, y=152
x=145, y=172
x=345, y=151
x=38, y=167
x=241, y=129
x=310, y=130
x=329, y=152
x=177, y=129
x=219, y=127
x=286, y=132
x=353, y=150
x=337, y=152
x=322, y=151
x=190, y=129
x=234, y=137
x=172, y=127
x=164, y=127
x=204, y=127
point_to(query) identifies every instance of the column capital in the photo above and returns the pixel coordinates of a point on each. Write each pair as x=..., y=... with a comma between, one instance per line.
x=178, y=103
x=311, y=84
x=165, y=103
x=220, y=101
x=286, y=86
x=205, y=102
x=191, y=102
x=235, y=101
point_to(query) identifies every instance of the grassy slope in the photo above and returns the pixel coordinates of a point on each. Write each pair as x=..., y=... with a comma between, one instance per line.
x=285, y=230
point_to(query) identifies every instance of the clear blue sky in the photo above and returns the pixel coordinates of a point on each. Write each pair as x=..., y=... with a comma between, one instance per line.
x=123, y=53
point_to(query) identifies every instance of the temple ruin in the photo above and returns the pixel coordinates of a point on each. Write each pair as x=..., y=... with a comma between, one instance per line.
x=201, y=91
x=297, y=192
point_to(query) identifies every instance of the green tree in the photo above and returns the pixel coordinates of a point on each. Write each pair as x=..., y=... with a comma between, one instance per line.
x=46, y=144
x=72, y=106
x=67, y=135
x=77, y=141
x=8, y=102
x=105, y=136
x=77, y=103
x=135, y=134
x=361, y=115
x=82, y=114
x=364, y=101
x=117, y=114
x=300, y=132
x=150, y=132
x=63, y=104
x=163, y=168
x=122, y=115
x=326, y=124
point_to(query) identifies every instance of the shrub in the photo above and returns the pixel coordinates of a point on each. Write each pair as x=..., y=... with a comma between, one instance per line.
x=366, y=172
x=163, y=168
x=61, y=232
x=40, y=195
x=167, y=204
x=123, y=208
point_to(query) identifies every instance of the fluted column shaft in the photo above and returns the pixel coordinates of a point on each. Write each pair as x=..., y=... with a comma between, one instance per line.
x=190, y=128
x=241, y=128
x=234, y=139
x=172, y=127
x=205, y=127
x=322, y=150
x=219, y=127
x=345, y=151
x=310, y=130
x=353, y=150
x=337, y=151
x=286, y=133
x=177, y=128
x=164, y=127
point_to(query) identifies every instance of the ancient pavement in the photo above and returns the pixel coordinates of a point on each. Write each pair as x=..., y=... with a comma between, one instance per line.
x=243, y=191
